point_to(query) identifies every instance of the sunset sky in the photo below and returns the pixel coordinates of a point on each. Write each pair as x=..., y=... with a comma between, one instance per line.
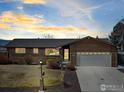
x=60, y=18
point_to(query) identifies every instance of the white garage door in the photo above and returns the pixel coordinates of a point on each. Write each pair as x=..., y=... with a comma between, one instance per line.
x=94, y=59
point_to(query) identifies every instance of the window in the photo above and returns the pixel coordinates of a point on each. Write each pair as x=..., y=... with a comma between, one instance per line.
x=51, y=51
x=66, y=54
x=35, y=50
x=20, y=50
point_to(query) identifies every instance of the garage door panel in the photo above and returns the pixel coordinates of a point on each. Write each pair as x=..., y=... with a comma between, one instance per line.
x=94, y=60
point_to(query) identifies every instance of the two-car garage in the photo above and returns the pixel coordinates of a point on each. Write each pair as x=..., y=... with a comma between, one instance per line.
x=93, y=52
x=94, y=59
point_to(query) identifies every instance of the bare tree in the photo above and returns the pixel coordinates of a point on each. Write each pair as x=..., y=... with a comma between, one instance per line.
x=80, y=36
x=50, y=36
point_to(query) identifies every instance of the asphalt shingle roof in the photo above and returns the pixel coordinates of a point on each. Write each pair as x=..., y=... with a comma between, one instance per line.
x=45, y=43
x=40, y=42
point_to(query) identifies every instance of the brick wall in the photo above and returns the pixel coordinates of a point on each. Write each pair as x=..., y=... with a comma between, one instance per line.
x=35, y=57
x=29, y=52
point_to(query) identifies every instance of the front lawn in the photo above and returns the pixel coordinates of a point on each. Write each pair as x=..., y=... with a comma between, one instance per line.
x=28, y=76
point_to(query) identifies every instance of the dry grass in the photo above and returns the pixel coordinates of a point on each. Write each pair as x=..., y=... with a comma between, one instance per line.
x=28, y=76
x=53, y=77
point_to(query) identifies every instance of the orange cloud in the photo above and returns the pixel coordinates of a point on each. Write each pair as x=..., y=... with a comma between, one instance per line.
x=58, y=28
x=33, y=1
x=4, y=26
x=24, y=22
x=19, y=19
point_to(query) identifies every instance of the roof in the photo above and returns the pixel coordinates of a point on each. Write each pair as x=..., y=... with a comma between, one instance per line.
x=104, y=40
x=107, y=41
x=45, y=43
x=3, y=42
x=40, y=42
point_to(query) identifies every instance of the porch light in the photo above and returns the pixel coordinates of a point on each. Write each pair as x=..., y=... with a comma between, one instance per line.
x=42, y=87
x=41, y=62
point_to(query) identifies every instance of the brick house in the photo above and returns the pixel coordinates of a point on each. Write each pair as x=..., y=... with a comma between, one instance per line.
x=87, y=51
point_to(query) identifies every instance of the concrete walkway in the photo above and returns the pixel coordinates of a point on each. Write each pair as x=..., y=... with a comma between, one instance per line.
x=100, y=79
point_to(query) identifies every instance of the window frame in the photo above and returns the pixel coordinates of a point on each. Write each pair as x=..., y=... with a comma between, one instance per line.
x=19, y=51
x=52, y=54
x=34, y=51
x=66, y=54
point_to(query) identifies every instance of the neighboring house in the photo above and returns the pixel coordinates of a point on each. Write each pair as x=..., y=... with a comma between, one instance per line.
x=3, y=49
x=87, y=51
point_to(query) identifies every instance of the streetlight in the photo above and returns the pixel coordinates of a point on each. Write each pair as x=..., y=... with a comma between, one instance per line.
x=42, y=77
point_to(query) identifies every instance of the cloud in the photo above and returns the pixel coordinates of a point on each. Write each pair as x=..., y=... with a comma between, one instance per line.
x=33, y=1
x=24, y=22
x=4, y=26
x=74, y=8
x=13, y=18
x=58, y=28
x=34, y=24
x=39, y=16
x=24, y=1
x=81, y=14
x=20, y=7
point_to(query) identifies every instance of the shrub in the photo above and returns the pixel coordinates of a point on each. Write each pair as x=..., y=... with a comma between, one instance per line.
x=71, y=67
x=53, y=63
x=28, y=59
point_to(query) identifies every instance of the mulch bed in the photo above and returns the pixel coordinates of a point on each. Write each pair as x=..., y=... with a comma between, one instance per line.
x=70, y=83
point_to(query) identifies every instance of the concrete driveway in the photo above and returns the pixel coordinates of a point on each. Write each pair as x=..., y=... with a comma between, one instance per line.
x=100, y=79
